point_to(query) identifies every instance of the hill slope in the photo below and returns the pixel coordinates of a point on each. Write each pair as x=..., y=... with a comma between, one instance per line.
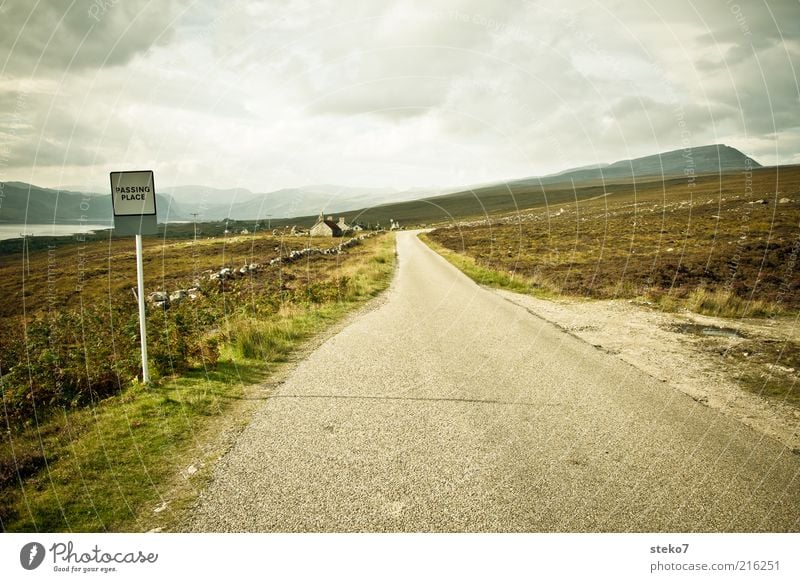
x=564, y=187
x=242, y=204
x=27, y=204
x=710, y=159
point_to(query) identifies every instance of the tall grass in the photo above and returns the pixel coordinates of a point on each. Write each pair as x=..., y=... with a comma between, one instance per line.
x=108, y=467
x=714, y=302
x=263, y=340
x=483, y=275
x=723, y=303
x=273, y=339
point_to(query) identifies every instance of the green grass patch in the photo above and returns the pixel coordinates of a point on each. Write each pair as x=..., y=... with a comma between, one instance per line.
x=106, y=468
x=488, y=276
x=272, y=340
x=775, y=387
x=767, y=368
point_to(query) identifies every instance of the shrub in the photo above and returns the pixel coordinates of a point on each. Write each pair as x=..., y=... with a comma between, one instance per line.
x=67, y=358
x=266, y=340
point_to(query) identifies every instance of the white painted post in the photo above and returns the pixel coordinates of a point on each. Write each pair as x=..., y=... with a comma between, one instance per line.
x=142, y=321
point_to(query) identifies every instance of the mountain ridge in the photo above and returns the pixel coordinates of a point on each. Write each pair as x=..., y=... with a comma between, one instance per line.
x=507, y=196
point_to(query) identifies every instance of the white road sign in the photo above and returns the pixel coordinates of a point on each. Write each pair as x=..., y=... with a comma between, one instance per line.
x=133, y=193
x=133, y=196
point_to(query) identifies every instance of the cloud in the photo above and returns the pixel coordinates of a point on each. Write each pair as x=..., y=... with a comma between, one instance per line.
x=52, y=153
x=51, y=36
x=763, y=90
x=748, y=28
x=398, y=62
x=274, y=93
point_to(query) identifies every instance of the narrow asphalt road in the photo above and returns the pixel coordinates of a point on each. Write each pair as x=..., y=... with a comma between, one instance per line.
x=451, y=409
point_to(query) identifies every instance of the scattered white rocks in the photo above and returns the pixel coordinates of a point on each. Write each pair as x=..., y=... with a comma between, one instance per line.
x=164, y=300
x=159, y=299
x=308, y=251
x=249, y=268
x=178, y=296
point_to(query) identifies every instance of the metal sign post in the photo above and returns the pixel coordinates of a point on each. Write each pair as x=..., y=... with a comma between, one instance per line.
x=142, y=319
x=133, y=195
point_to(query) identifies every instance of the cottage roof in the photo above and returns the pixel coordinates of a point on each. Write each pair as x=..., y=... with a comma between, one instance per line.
x=333, y=225
x=330, y=224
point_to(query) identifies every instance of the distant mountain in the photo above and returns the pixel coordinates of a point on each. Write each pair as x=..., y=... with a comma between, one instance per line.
x=580, y=168
x=242, y=204
x=33, y=204
x=558, y=188
x=28, y=204
x=708, y=159
x=84, y=188
x=197, y=195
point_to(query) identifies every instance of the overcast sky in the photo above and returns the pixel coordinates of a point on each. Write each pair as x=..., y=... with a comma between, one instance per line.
x=270, y=94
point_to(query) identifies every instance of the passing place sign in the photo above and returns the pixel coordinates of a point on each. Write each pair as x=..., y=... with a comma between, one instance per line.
x=133, y=193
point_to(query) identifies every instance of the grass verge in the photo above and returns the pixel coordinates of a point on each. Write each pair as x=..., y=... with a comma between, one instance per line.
x=488, y=276
x=767, y=368
x=716, y=303
x=136, y=460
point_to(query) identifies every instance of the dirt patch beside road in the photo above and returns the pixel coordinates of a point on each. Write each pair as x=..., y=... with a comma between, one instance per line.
x=728, y=365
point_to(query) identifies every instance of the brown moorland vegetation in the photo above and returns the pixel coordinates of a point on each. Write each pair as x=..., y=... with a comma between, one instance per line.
x=722, y=245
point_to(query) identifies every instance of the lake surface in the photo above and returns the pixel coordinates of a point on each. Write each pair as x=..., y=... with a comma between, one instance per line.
x=8, y=231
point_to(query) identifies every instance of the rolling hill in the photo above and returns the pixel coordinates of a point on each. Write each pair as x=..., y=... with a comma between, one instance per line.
x=27, y=204
x=564, y=187
x=710, y=159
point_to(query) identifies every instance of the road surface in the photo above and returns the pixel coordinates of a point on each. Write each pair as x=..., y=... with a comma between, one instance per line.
x=449, y=408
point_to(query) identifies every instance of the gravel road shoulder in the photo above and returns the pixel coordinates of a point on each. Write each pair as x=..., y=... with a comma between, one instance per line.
x=667, y=347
